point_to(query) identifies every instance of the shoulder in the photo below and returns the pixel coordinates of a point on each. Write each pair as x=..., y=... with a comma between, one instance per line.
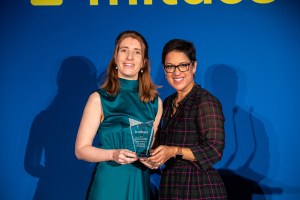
x=93, y=104
x=169, y=98
x=94, y=98
x=159, y=106
x=159, y=100
x=160, y=103
x=104, y=95
x=101, y=92
x=156, y=103
x=203, y=96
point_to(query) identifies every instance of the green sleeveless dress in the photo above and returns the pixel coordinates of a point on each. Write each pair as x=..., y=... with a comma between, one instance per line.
x=111, y=180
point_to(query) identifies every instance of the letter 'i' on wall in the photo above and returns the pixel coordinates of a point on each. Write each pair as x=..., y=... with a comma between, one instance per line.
x=46, y=2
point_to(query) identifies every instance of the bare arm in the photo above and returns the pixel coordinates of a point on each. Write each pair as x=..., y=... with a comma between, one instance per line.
x=158, y=115
x=89, y=125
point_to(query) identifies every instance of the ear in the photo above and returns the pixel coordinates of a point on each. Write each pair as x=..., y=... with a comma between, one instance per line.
x=194, y=67
x=145, y=62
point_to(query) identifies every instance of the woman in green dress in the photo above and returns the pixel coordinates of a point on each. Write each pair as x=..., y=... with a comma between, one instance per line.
x=127, y=93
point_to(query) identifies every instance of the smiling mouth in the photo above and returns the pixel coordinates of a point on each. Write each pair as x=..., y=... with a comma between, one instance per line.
x=129, y=65
x=177, y=79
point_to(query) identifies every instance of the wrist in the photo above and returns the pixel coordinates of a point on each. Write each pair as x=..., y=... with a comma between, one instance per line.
x=112, y=155
x=175, y=149
x=179, y=153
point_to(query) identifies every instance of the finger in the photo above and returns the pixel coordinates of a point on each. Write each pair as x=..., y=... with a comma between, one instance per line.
x=129, y=154
x=161, y=163
x=131, y=160
x=158, y=149
x=154, y=159
x=147, y=164
x=119, y=157
x=150, y=165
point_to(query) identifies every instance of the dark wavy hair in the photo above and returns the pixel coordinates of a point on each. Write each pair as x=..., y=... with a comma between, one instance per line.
x=179, y=45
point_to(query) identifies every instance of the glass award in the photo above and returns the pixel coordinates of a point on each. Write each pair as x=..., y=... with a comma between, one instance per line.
x=141, y=137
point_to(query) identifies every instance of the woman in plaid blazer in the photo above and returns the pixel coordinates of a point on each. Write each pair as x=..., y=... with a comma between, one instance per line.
x=191, y=137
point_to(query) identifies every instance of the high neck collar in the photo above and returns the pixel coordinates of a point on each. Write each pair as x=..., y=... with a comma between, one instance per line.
x=129, y=84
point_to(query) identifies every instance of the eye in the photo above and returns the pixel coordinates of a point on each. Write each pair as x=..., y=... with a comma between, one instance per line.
x=123, y=50
x=184, y=65
x=169, y=66
x=138, y=52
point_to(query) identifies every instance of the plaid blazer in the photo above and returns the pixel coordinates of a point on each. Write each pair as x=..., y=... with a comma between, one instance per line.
x=198, y=124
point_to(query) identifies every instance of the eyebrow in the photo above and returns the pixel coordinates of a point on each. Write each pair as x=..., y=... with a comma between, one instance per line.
x=184, y=62
x=126, y=47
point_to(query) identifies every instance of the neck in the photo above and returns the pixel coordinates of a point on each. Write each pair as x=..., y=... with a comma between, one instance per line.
x=182, y=94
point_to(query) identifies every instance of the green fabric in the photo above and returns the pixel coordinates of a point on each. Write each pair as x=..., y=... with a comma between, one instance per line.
x=113, y=181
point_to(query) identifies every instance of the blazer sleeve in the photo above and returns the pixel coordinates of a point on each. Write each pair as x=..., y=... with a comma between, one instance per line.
x=210, y=127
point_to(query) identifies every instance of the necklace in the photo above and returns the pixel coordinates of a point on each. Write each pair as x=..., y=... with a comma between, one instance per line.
x=174, y=104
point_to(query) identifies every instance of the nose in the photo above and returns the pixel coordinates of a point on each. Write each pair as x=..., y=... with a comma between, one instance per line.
x=129, y=55
x=177, y=71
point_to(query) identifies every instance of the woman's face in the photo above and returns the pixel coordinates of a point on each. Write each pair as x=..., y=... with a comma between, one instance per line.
x=180, y=81
x=129, y=58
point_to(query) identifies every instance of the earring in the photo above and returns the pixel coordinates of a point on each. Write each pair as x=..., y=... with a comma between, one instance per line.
x=142, y=71
x=116, y=67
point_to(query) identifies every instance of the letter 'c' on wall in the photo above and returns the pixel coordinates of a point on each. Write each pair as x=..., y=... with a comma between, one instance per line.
x=46, y=2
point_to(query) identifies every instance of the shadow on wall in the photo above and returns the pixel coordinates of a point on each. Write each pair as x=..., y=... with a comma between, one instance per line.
x=50, y=149
x=246, y=156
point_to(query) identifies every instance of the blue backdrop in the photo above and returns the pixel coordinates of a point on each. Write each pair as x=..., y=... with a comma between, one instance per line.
x=52, y=58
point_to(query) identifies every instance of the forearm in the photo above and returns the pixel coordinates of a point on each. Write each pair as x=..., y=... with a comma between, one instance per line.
x=187, y=154
x=210, y=127
x=208, y=154
x=94, y=154
x=168, y=152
